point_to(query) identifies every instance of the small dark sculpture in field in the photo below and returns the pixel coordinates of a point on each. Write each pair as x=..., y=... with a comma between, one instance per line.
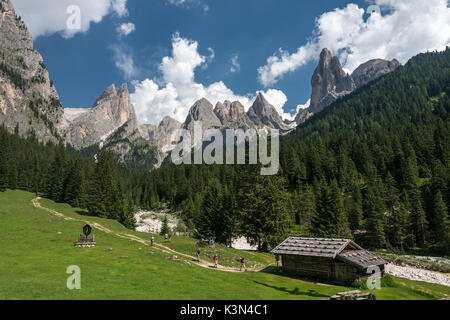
x=86, y=241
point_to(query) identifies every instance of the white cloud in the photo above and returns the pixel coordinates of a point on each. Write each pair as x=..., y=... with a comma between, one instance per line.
x=304, y=106
x=235, y=66
x=46, y=17
x=177, y=2
x=120, y=7
x=123, y=60
x=404, y=29
x=179, y=90
x=190, y=4
x=126, y=28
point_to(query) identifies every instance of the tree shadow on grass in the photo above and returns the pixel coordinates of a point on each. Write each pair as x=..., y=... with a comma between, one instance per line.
x=296, y=291
x=84, y=213
x=278, y=272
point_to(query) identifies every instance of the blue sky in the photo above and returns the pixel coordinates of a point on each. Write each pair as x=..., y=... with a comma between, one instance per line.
x=82, y=65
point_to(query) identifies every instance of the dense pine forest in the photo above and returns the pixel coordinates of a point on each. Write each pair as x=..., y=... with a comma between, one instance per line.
x=373, y=166
x=64, y=175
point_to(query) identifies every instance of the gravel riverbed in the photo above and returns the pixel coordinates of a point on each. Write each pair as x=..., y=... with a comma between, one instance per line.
x=418, y=274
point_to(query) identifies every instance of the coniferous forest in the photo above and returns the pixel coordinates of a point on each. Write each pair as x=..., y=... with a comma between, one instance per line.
x=374, y=166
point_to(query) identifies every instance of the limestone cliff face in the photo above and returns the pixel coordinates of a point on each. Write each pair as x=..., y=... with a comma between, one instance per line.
x=163, y=135
x=329, y=82
x=28, y=99
x=372, y=70
x=111, y=110
x=202, y=111
x=232, y=115
x=265, y=116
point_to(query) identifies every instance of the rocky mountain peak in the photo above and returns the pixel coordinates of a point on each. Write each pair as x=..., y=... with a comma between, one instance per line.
x=372, y=70
x=264, y=115
x=169, y=122
x=236, y=110
x=110, y=111
x=203, y=111
x=329, y=82
x=109, y=93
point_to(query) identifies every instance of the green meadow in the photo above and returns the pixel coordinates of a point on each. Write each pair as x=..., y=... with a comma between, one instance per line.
x=37, y=247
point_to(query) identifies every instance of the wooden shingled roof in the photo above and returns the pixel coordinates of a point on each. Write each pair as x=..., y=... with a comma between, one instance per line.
x=327, y=248
x=342, y=249
x=361, y=258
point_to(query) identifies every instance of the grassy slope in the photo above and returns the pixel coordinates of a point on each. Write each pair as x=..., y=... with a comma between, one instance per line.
x=37, y=247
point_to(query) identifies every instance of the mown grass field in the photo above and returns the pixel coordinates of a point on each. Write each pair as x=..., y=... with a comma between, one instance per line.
x=37, y=247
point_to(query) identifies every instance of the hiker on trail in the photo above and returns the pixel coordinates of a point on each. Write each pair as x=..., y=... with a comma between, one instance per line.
x=216, y=261
x=152, y=241
x=243, y=264
x=165, y=237
x=198, y=255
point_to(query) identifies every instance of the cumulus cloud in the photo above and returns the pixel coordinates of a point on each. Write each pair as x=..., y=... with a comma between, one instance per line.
x=403, y=29
x=126, y=28
x=120, y=7
x=177, y=91
x=46, y=17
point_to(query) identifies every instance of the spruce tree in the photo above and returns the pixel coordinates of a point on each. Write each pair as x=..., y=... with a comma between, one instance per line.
x=128, y=219
x=321, y=225
x=375, y=219
x=353, y=204
x=341, y=228
x=75, y=186
x=442, y=223
x=165, y=229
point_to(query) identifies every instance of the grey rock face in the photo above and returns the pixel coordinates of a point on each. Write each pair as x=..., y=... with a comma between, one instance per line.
x=372, y=70
x=161, y=136
x=28, y=99
x=329, y=82
x=232, y=115
x=303, y=115
x=202, y=110
x=110, y=111
x=264, y=115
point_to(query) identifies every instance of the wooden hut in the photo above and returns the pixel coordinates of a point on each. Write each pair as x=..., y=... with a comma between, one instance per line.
x=335, y=260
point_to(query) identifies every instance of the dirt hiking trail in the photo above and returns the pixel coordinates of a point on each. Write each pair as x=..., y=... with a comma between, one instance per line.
x=160, y=247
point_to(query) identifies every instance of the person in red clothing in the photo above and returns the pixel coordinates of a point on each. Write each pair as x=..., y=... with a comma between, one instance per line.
x=216, y=261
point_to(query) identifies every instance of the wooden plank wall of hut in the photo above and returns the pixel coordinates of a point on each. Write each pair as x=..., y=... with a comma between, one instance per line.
x=317, y=267
x=344, y=273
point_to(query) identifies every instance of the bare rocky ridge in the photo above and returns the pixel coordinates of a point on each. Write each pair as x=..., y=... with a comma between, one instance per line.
x=161, y=136
x=372, y=70
x=232, y=115
x=202, y=111
x=330, y=82
x=111, y=111
x=264, y=115
x=28, y=99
